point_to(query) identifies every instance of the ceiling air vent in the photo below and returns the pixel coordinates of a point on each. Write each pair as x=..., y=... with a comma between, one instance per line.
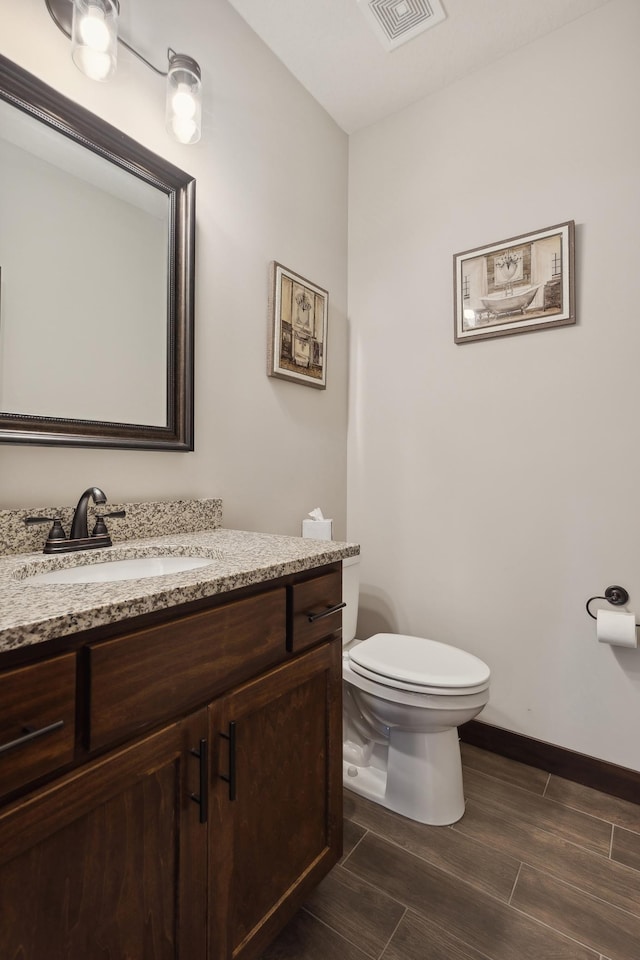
x=396, y=21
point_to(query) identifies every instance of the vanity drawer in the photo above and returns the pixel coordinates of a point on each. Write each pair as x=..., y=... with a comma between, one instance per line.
x=152, y=675
x=37, y=720
x=314, y=610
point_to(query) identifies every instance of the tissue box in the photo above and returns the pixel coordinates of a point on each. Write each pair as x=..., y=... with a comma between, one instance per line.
x=317, y=529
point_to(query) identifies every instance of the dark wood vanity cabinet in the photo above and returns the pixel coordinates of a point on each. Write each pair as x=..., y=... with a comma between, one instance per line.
x=110, y=860
x=202, y=800
x=276, y=812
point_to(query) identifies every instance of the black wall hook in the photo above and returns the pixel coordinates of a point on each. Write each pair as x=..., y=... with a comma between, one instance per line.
x=618, y=596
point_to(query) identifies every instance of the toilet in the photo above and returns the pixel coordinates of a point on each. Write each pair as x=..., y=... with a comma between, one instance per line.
x=403, y=700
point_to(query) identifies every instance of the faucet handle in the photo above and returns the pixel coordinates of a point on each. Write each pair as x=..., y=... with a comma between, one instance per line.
x=100, y=528
x=56, y=532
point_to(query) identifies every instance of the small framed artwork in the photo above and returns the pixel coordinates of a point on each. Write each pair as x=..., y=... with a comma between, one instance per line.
x=298, y=311
x=515, y=286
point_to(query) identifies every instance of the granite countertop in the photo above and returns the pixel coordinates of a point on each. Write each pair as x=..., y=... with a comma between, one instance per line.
x=31, y=613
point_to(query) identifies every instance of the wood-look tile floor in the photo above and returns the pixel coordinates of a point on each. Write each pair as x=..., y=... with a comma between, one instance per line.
x=539, y=868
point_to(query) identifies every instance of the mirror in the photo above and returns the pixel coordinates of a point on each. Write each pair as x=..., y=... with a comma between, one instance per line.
x=96, y=279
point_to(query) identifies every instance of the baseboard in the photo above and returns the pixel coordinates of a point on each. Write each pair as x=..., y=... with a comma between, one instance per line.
x=590, y=772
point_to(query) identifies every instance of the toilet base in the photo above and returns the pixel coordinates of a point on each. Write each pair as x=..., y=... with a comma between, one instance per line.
x=418, y=776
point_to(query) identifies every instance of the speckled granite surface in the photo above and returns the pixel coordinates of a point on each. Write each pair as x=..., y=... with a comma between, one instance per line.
x=142, y=520
x=31, y=613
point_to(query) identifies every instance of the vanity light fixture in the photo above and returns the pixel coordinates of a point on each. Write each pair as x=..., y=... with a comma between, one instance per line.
x=184, y=98
x=92, y=26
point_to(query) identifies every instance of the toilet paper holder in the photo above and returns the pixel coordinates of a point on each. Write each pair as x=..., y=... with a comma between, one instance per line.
x=618, y=596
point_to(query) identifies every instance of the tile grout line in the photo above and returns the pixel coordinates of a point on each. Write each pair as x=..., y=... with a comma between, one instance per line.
x=562, y=880
x=613, y=827
x=433, y=920
x=567, y=803
x=572, y=886
x=484, y=801
x=482, y=890
x=594, y=950
x=561, y=933
x=513, y=888
x=507, y=783
x=551, y=800
x=574, y=805
x=380, y=890
x=344, y=859
x=458, y=939
x=507, y=809
x=447, y=870
x=393, y=933
x=328, y=926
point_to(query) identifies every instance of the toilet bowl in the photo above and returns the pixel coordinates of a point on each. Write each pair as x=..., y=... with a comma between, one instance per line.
x=403, y=700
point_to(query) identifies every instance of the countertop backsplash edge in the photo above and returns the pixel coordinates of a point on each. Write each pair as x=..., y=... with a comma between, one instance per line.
x=146, y=519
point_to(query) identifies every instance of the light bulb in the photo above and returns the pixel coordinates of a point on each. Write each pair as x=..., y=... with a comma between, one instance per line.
x=93, y=63
x=94, y=37
x=184, y=98
x=183, y=129
x=182, y=102
x=93, y=30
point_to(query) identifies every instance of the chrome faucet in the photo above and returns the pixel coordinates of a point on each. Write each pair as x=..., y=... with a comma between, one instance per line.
x=79, y=530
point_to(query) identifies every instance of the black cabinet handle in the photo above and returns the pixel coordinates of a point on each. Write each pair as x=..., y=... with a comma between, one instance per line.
x=202, y=753
x=231, y=779
x=30, y=735
x=312, y=617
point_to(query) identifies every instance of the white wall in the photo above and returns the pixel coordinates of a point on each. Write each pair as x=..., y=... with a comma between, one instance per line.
x=271, y=173
x=494, y=485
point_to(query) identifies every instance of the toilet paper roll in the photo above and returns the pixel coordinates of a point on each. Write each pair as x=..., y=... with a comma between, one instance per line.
x=616, y=628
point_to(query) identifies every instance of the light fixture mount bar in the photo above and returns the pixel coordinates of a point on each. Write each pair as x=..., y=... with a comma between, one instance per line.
x=162, y=73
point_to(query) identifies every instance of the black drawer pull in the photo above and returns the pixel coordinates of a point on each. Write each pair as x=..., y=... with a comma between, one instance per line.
x=231, y=779
x=203, y=797
x=30, y=735
x=312, y=617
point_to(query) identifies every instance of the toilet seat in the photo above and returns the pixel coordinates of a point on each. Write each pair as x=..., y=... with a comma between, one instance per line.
x=419, y=665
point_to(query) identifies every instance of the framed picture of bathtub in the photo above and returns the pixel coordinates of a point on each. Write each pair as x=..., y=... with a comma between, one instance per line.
x=517, y=285
x=297, y=340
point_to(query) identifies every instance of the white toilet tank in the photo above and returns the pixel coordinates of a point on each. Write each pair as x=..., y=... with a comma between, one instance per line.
x=350, y=591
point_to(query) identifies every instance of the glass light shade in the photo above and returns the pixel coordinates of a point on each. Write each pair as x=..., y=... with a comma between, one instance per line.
x=184, y=99
x=94, y=37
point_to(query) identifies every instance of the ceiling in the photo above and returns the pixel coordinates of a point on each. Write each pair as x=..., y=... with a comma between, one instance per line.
x=331, y=48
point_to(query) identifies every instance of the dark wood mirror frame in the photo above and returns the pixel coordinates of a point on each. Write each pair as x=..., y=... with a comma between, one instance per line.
x=27, y=93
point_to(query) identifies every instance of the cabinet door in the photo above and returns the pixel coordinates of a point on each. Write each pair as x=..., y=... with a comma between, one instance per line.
x=276, y=811
x=110, y=860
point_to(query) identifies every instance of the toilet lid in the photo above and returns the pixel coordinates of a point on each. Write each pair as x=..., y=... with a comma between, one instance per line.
x=418, y=661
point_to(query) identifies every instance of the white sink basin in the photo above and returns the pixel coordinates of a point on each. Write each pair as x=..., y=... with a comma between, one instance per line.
x=109, y=571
